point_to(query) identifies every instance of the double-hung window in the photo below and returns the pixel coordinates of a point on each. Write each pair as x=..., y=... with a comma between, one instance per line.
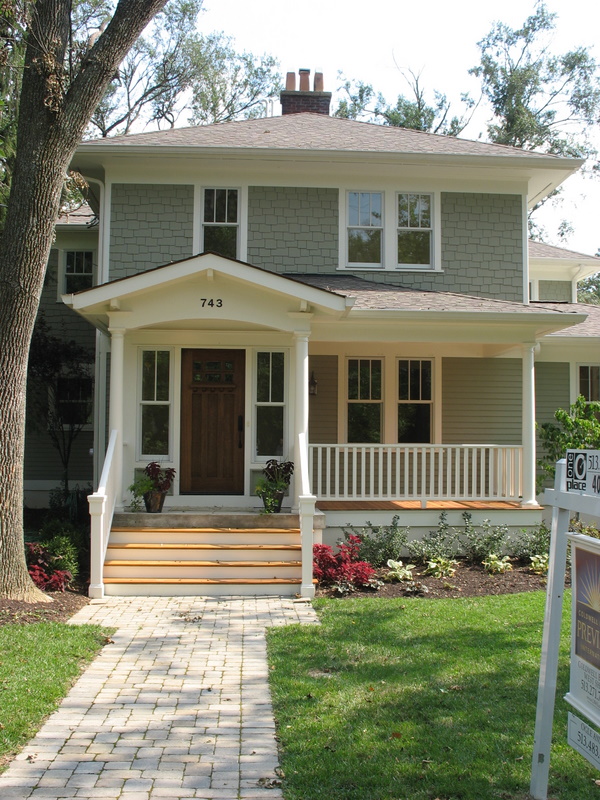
x=79, y=270
x=220, y=226
x=270, y=403
x=365, y=400
x=73, y=401
x=415, y=230
x=155, y=405
x=589, y=382
x=414, y=401
x=365, y=229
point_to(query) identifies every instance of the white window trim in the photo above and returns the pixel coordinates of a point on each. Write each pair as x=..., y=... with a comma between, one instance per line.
x=62, y=267
x=242, y=223
x=146, y=457
x=578, y=376
x=255, y=459
x=431, y=403
x=382, y=401
x=390, y=231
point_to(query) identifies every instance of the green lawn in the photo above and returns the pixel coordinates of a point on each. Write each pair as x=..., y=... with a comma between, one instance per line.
x=418, y=699
x=38, y=664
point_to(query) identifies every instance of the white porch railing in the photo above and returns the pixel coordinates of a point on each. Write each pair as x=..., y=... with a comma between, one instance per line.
x=306, y=511
x=416, y=472
x=102, y=506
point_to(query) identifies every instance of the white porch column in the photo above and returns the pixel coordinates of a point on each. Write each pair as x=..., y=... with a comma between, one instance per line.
x=117, y=397
x=528, y=426
x=301, y=403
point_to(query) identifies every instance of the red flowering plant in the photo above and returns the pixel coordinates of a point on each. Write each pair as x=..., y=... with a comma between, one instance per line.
x=43, y=567
x=343, y=570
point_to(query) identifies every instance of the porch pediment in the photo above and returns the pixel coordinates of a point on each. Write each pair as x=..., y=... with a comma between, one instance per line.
x=206, y=292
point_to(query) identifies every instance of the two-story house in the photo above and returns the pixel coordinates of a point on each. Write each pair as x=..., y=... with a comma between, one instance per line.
x=360, y=299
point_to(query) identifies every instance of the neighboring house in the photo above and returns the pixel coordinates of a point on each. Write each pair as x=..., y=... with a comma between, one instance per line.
x=357, y=298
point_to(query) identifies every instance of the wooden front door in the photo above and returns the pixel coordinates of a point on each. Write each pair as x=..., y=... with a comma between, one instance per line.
x=212, y=422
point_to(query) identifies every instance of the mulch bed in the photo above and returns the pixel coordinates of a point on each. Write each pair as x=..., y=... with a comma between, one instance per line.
x=62, y=608
x=467, y=581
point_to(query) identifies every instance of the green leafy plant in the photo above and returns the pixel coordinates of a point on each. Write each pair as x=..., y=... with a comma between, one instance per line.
x=274, y=483
x=65, y=554
x=398, y=571
x=435, y=545
x=497, y=565
x=379, y=543
x=540, y=564
x=441, y=567
x=531, y=542
x=478, y=543
x=343, y=570
x=576, y=429
x=153, y=479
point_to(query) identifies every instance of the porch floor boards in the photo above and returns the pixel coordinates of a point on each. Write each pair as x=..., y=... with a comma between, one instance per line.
x=415, y=505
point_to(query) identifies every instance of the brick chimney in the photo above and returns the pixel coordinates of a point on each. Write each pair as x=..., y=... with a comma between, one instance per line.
x=295, y=102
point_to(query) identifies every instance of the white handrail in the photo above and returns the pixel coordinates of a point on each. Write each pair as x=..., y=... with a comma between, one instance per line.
x=306, y=512
x=416, y=472
x=102, y=506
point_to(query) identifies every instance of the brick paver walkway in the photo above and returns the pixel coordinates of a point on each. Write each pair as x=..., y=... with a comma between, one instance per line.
x=177, y=706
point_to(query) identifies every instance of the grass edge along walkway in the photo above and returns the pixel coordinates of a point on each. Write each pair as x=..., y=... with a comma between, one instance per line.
x=415, y=699
x=38, y=665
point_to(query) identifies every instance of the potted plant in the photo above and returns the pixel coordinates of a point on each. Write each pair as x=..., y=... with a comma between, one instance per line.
x=152, y=487
x=273, y=486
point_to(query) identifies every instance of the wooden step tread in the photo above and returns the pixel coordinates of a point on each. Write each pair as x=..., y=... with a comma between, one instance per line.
x=188, y=546
x=207, y=581
x=135, y=563
x=120, y=529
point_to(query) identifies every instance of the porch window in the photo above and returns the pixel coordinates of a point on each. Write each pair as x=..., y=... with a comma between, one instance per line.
x=414, y=401
x=414, y=229
x=221, y=222
x=155, y=406
x=365, y=400
x=270, y=403
x=589, y=381
x=365, y=228
x=79, y=270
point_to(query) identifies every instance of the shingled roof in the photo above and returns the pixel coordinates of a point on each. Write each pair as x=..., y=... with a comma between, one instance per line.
x=541, y=250
x=306, y=131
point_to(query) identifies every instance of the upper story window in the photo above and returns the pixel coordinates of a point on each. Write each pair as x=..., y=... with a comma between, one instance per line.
x=365, y=228
x=220, y=226
x=589, y=381
x=391, y=230
x=79, y=270
x=414, y=229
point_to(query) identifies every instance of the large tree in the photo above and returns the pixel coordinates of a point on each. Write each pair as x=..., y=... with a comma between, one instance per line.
x=57, y=101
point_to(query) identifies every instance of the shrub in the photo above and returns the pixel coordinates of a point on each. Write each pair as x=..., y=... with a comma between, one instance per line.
x=44, y=568
x=530, y=543
x=480, y=543
x=437, y=544
x=78, y=536
x=380, y=543
x=65, y=554
x=343, y=569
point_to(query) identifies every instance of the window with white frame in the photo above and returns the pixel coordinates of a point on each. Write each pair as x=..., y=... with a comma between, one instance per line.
x=270, y=404
x=78, y=270
x=365, y=229
x=415, y=401
x=365, y=400
x=589, y=381
x=220, y=226
x=415, y=230
x=155, y=402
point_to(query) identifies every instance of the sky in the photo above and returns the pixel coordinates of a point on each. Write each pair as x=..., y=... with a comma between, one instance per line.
x=435, y=39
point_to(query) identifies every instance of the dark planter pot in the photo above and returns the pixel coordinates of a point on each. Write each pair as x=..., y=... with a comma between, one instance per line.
x=272, y=501
x=154, y=501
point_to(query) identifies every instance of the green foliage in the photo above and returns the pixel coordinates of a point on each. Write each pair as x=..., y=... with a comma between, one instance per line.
x=540, y=564
x=435, y=545
x=531, y=542
x=497, y=565
x=65, y=554
x=379, y=543
x=576, y=429
x=478, y=543
x=587, y=528
x=441, y=567
x=588, y=290
x=397, y=571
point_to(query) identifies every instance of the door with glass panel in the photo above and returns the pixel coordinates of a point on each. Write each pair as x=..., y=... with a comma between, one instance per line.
x=212, y=422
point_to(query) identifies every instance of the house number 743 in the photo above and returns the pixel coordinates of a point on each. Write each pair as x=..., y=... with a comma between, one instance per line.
x=210, y=302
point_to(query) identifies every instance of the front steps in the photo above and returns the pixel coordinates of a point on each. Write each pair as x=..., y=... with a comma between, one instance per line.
x=194, y=554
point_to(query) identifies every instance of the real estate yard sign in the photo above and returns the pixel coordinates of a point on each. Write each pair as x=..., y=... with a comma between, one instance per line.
x=576, y=489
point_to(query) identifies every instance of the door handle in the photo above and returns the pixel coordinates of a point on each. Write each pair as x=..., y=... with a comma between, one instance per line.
x=240, y=431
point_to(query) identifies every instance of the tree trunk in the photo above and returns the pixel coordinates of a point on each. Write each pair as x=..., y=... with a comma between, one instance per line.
x=52, y=120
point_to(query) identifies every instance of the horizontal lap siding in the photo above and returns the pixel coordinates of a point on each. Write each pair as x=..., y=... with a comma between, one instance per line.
x=481, y=401
x=323, y=407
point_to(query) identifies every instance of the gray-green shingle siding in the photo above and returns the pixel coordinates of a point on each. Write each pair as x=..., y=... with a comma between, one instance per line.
x=150, y=225
x=555, y=291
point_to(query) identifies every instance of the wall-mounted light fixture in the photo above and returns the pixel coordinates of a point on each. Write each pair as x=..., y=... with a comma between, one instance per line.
x=312, y=384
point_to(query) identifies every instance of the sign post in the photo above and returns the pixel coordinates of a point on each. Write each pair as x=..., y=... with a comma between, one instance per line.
x=576, y=489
